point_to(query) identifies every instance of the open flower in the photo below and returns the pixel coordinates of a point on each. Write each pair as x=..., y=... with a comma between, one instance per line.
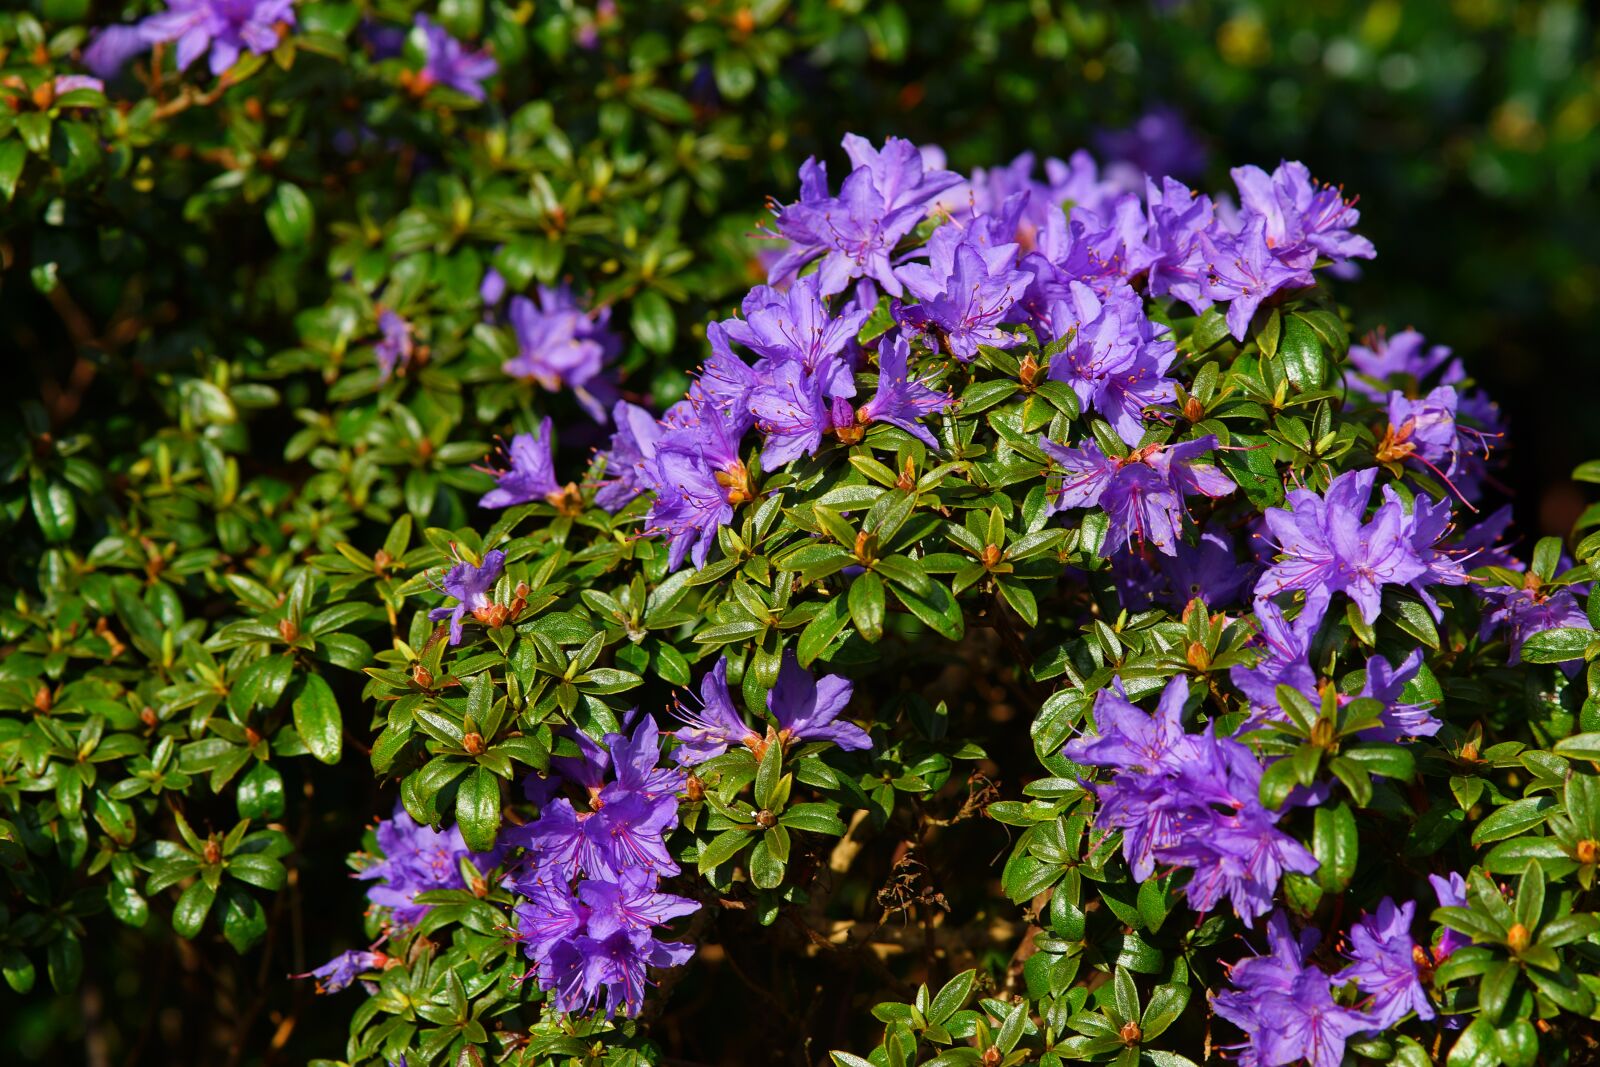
x=472, y=586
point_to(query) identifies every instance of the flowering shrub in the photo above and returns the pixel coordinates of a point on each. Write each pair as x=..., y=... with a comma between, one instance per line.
x=1044, y=515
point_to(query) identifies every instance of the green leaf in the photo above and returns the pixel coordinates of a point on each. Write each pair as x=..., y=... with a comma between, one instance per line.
x=866, y=605
x=1335, y=844
x=722, y=848
x=952, y=996
x=478, y=809
x=1513, y=819
x=13, y=154
x=53, y=508
x=259, y=795
x=817, y=818
x=317, y=719
x=244, y=920
x=193, y=906
x=63, y=961
x=766, y=870
x=290, y=216
x=18, y=970
x=653, y=322
x=1580, y=746
x=1558, y=645
x=1301, y=351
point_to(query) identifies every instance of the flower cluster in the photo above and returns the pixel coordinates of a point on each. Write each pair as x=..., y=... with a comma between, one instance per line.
x=1188, y=800
x=590, y=878
x=1004, y=256
x=798, y=391
x=1291, y=1010
x=224, y=28
x=417, y=859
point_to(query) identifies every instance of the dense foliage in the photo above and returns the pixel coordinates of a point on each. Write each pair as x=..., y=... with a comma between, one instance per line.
x=1045, y=514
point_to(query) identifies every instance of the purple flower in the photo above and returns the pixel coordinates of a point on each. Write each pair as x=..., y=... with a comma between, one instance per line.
x=796, y=326
x=807, y=709
x=585, y=967
x=1142, y=493
x=1285, y=1007
x=628, y=817
x=1177, y=219
x=1303, y=220
x=965, y=290
x=793, y=413
x=882, y=200
x=112, y=47
x=1325, y=547
x=1158, y=142
x=1522, y=612
x=341, y=971
x=632, y=447
x=1383, y=965
x=531, y=475
x=449, y=64
x=1386, y=684
x=472, y=587
x=698, y=478
x=1406, y=356
x=396, y=346
x=416, y=859
x=1208, y=570
x=225, y=27
x=551, y=914
x=599, y=940
x=709, y=732
x=900, y=399
x=1243, y=270
x=66, y=83
x=560, y=346
x=1188, y=800
x=1423, y=428
x=492, y=289
x=1113, y=359
x=630, y=903
x=1452, y=893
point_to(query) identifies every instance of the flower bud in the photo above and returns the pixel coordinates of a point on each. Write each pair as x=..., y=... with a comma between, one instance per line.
x=1198, y=656
x=422, y=676
x=289, y=629
x=212, y=850
x=473, y=743
x=1130, y=1033
x=1586, y=850
x=765, y=819
x=1518, y=937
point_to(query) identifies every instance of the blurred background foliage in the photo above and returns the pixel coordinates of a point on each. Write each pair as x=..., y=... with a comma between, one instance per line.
x=1468, y=128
